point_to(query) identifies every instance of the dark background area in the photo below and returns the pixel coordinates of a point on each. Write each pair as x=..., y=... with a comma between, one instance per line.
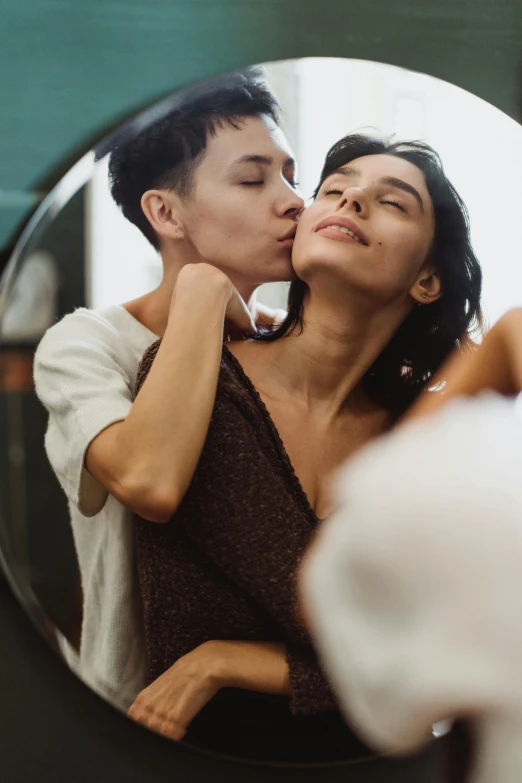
x=33, y=508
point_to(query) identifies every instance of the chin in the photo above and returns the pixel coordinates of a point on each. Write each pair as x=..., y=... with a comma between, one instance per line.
x=324, y=266
x=279, y=272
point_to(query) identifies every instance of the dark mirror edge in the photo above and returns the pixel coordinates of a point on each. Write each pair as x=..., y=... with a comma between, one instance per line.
x=70, y=734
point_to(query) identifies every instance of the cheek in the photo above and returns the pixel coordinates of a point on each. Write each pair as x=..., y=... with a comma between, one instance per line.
x=226, y=233
x=304, y=239
x=213, y=224
x=405, y=251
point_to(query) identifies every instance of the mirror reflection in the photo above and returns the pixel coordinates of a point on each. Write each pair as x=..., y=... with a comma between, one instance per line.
x=220, y=306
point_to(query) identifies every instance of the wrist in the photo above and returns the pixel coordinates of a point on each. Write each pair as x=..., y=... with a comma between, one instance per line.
x=201, y=288
x=256, y=666
x=218, y=667
x=203, y=277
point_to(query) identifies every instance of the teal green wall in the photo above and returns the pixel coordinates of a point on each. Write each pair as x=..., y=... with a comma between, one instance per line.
x=69, y=68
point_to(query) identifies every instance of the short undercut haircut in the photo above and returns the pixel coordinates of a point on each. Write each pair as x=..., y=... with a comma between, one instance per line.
x=166, y=152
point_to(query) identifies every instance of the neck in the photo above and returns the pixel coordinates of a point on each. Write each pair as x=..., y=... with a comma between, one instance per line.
x=325, y=363
x=153, y=309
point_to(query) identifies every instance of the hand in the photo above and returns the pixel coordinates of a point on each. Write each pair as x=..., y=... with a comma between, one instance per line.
x=169, y=704
x=267, y=316
x=196, y=277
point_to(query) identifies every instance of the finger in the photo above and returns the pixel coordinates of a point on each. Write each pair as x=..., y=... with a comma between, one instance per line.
x=167, y=726
x=173, y=730
x=279, y=316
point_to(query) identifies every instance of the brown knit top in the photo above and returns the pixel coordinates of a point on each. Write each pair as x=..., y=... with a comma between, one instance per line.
x=224, y=566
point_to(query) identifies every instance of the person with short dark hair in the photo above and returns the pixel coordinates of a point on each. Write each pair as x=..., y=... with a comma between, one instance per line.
x=211, y=184
x=388, y=285
x=166, y=154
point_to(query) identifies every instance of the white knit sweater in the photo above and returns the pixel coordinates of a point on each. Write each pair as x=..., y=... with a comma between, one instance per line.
x=85, y=369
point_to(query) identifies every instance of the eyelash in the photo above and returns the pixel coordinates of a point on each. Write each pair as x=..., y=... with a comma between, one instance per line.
x=395, y=203
x=383, y=201
x=261, y=182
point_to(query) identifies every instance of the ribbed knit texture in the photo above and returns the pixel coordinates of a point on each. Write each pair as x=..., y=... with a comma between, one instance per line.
x=225, y=565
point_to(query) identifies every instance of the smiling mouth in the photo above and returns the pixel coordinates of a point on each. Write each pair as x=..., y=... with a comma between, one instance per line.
x=344, y=230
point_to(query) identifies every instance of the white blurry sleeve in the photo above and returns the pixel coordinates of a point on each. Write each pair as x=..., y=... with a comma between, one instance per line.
x=414, y=587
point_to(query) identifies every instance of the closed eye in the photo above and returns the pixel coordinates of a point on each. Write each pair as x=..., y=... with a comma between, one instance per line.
x=395, y=204
x=250, y=184
x=334, y=190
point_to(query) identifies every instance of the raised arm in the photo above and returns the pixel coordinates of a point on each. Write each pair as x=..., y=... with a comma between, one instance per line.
x=100, y=440
x=147, y=460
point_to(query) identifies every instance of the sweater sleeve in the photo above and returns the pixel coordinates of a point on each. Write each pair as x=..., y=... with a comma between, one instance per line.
x=310, y=689
x=81, y=375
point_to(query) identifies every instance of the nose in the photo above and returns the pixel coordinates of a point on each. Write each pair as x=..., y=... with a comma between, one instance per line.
x=290, y=203
x=354, y=200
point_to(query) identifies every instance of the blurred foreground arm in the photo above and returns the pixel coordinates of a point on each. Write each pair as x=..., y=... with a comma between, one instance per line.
x=496, y=365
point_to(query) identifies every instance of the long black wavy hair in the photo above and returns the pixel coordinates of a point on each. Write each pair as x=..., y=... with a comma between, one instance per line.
x=429, y=332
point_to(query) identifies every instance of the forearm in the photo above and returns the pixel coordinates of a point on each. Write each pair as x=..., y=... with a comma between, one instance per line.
x=155, y=450
x=496, y=365
x=254, y=666
x=271, y=667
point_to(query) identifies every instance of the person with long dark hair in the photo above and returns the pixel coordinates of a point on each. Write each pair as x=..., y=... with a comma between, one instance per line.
x=388, y=285
x=414, y=586
x=427, y=335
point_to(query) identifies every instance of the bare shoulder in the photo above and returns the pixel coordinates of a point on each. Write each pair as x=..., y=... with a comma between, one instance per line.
x=512, y=319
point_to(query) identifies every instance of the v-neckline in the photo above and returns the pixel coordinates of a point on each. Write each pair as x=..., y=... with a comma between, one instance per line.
x=285, y=460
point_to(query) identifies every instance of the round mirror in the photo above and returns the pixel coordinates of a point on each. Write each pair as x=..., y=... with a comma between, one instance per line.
x=126, y=577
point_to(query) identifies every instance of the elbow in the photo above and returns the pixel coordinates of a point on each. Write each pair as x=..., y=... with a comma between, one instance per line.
x=157, y=511
x=150, y=502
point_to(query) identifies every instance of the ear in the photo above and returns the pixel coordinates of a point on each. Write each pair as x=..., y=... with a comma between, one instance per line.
x=427, y=287
x=161, y=208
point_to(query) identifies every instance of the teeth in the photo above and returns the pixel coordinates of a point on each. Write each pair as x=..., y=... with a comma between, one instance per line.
x=346, y=231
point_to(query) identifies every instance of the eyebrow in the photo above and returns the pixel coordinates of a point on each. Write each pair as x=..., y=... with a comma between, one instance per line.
x=394, y=182
x=264, y=160
x=405, y=186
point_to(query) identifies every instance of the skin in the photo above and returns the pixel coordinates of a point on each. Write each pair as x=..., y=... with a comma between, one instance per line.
x=485, y=745
x=359, y=295
x=495, y=366
x=310, y=384
x=397, y=228
x=244, y=200
x=322, y=397
x=239, y=212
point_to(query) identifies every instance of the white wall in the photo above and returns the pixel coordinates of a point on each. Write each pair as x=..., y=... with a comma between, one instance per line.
x=121, y=263
x=324, y=99
x=481, y=149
